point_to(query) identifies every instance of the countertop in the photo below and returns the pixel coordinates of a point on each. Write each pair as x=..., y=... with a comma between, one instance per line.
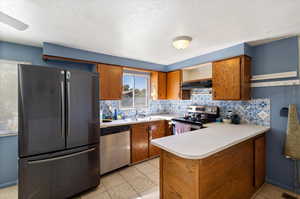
x=202, y=143
x=149, y=118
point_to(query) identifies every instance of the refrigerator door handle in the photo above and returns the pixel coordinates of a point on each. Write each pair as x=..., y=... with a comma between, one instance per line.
x=61, y=157
x=69, y=102
x=62, y=89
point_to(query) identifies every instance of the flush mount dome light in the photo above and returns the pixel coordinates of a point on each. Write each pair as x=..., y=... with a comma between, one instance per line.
x=182, y=42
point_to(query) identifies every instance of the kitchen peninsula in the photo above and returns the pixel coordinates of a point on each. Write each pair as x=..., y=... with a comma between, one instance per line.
x=222, y=161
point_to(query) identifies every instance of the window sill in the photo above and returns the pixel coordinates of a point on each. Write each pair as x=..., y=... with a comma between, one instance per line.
x=6, y=133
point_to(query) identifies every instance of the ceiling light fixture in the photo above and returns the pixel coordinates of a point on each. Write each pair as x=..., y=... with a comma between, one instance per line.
x=182, y=42
x=13, y=22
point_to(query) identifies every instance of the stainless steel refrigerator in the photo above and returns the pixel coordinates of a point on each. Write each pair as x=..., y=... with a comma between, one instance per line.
x=58, y=132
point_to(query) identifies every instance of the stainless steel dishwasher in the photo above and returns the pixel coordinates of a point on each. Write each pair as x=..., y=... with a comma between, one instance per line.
x=114, y=148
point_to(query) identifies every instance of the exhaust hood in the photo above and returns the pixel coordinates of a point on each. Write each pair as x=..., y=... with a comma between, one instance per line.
x=197, y=84
x=198, y=76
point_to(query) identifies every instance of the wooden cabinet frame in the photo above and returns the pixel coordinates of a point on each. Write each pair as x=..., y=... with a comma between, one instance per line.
x=235, y=172
x=231, y=78
x=174, y=90
x=111, y=81
x=141, y=135
x=158, y=85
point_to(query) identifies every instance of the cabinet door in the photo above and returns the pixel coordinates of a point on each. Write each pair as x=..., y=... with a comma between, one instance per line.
x=156, y=130
x=259, y=161
x=162, y=85
x=227, y=79
x=111, y=81
x=139, y=142
x=245, y=78
x=158, y=85
x=174, y=85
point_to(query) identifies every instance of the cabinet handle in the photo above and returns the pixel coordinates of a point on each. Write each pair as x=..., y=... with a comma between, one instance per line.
x=150, y=134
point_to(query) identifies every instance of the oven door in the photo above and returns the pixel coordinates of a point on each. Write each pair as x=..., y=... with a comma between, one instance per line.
x=175, y=126
x=195, y=127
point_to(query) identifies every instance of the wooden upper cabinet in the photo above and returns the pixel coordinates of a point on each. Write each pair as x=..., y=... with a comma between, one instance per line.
x=158, y=85
x=231, y=78
x=174, y=91
x=174, y=85
x=111, y=81
x=139, y=142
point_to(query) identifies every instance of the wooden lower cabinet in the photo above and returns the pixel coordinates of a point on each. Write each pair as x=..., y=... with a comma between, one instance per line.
x=156, y=130
x=139, y=142
x=141, y=136
x=234, y=173
x=259, y=161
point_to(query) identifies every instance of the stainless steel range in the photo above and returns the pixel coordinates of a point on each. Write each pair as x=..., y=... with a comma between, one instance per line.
x=195, y=118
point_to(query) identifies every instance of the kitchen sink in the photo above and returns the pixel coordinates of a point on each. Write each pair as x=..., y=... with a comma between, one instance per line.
x=141, y=119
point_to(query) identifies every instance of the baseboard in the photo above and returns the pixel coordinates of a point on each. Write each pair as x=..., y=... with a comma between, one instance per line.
x=270, y=181
x=7, y=184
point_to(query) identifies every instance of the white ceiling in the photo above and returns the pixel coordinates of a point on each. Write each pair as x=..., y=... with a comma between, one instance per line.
x=144, y=29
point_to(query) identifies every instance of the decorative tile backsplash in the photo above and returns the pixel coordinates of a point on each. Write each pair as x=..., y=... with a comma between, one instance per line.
x=255, y=111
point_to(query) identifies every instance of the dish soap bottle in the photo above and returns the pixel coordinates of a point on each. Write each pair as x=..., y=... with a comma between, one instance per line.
x=115, y=117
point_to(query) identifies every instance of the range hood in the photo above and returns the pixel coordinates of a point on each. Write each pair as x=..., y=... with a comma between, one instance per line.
x=196, y=84
x=198, y=76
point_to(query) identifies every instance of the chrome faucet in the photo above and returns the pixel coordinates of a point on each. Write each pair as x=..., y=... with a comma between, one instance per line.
x=137, y=114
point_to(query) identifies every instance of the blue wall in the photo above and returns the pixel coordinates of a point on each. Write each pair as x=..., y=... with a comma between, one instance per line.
x=17, y=52
x=209, y=57
x=275, y=57
x=61, y=51
x=8, y=160
x=58, y=50
x=280, y=171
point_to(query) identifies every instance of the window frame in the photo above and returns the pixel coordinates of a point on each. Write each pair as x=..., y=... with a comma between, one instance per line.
x=147, y=76
x=7, y=132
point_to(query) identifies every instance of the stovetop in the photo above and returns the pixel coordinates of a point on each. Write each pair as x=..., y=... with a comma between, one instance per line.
x=194, y=120
x=188, y=120
x=198, y=115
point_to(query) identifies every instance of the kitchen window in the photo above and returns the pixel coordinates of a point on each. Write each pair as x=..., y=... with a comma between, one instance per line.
x=9, y=97
x=135, y=90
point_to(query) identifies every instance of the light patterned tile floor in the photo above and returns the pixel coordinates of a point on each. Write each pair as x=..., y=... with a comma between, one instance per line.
x=140, y=182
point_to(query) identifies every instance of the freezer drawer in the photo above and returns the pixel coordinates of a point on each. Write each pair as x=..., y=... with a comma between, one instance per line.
x=59, y=175
x=114, y=149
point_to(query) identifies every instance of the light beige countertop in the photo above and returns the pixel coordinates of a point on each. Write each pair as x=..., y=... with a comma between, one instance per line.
x=149, y=118
x=202, y=143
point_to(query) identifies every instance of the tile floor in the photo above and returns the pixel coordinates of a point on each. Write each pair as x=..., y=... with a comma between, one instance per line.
x=139, y=182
